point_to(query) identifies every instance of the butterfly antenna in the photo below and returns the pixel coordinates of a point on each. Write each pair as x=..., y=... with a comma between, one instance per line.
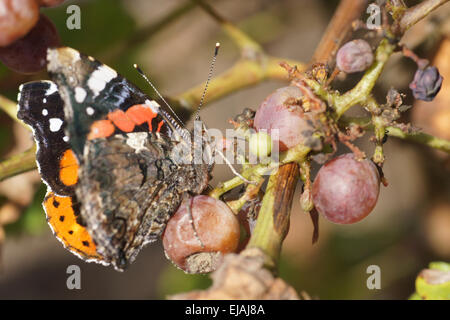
x=157, y=92
x=211, y=69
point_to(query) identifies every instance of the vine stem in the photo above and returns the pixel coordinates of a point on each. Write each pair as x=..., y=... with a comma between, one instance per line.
x=18, y=163
x=273, y=218
x=244, y=73
x=10, y=108
x=416, y=13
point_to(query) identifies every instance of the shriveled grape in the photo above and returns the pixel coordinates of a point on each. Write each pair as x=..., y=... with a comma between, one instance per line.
x=216, y=232
x=345, y=189
x=354, y=56
x=426, y=84
x=28, y=55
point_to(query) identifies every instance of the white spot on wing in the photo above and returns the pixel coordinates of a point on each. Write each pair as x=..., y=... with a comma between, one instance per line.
x=90, y=111
x=153, y=105
x=44, y=100
x=136, y=140
x=52, y=89
x=44, y=112
x=80, y=94
x=99, y=78
x=55, y=124
x=66, y=138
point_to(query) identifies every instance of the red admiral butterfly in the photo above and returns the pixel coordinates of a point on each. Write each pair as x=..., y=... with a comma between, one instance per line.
x=109, y=156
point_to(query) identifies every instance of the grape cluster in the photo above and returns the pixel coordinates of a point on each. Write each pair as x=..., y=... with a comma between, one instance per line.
x=25, y=35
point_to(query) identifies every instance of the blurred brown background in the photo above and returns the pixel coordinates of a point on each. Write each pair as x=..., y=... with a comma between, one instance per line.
x=409, y=227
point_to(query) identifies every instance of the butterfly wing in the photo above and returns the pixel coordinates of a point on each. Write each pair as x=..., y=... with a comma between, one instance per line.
x=99, y=102
x=41, y=107
x=107, y=157
x=124, y=143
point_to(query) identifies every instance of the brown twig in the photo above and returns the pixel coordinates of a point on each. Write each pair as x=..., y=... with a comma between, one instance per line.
x=338, y=30
x=414, y=14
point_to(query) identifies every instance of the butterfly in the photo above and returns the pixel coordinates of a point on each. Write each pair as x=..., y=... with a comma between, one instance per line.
x=116, y=163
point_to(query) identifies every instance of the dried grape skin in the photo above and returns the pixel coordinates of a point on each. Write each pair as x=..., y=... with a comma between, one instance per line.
x=354, y=56
x=216, y=225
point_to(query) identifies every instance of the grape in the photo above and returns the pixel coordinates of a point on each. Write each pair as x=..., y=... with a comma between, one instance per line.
x=217, y=230
x=17, y=17
x=426, y=84
x=346, y=190
x=28, y=55
x=260, y=144
x=281, y=110
x=50, y=3
x=354, y=56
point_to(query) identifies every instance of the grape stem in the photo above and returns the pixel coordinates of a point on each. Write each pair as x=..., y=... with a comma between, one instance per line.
x=393, y=131
x=296, y=154
x=342, y=102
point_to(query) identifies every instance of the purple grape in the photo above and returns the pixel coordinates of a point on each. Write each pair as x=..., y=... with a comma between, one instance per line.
x=346, y=190
x=28, y=55
x=281, y=111
x=426, y=84
x=354, y=56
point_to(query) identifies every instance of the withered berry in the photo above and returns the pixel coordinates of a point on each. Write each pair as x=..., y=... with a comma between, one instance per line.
x=354, y=56
x=199, y=233
x=426, y=84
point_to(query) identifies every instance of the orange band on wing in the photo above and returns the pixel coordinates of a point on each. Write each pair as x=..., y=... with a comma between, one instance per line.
x=141, y=113
x=160, y=124
x=68, y=165
x=125, y=121
x=121, y=120
x=101, y=129
x=63, y=220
